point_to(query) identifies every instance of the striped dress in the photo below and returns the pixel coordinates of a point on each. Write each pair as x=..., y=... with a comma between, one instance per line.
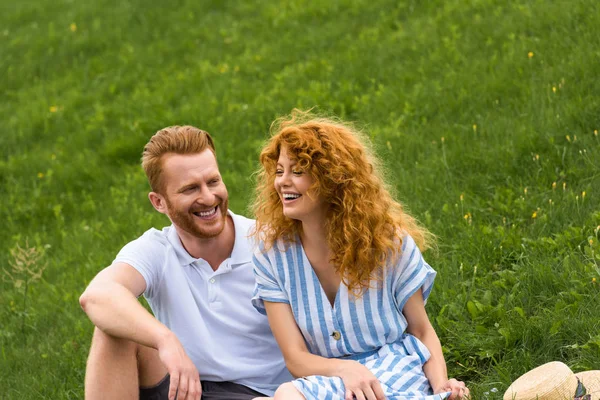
x=369, y=329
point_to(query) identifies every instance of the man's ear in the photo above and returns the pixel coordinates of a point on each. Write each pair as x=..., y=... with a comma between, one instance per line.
x=158, y=202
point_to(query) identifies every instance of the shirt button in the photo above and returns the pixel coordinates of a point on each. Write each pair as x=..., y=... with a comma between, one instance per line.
x=336, y=335
x=213, y=280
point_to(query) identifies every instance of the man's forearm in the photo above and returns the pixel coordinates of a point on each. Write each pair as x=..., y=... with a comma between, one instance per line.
x=117, y=312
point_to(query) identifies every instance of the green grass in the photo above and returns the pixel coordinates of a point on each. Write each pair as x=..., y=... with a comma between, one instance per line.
x=485, y=112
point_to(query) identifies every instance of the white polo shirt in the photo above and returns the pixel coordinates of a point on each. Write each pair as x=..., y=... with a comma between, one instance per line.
x=210, y=311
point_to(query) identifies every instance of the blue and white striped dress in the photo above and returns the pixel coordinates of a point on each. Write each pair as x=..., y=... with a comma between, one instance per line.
x=369, y=329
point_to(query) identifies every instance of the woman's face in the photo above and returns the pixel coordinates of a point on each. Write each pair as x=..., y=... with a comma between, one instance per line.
x=293, y=184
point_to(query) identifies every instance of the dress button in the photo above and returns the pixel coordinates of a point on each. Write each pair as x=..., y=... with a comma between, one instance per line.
x=212, y=280
x=336, y=335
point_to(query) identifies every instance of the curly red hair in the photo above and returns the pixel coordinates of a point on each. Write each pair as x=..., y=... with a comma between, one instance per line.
x=364, y=224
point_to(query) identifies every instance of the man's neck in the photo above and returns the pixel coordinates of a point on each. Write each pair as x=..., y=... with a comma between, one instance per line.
x=213, y=250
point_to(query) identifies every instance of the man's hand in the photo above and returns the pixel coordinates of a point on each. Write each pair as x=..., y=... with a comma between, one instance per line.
x=185, y=380
x=360, y=382
x=457, y=388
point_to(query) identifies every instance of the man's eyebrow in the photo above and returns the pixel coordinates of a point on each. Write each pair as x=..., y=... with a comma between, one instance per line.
x=185, y=187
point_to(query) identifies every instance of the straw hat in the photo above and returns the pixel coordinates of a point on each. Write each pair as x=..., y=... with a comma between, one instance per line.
x=553, y=381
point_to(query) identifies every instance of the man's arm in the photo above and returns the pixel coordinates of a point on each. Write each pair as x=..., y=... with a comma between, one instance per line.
x=110, y=301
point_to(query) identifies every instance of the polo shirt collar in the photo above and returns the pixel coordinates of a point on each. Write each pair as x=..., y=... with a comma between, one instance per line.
x=241, y=253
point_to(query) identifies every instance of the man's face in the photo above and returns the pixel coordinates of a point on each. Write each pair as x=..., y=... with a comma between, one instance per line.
x=195, y=195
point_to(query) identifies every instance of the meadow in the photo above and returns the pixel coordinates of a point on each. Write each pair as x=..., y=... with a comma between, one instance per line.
x=485, y=112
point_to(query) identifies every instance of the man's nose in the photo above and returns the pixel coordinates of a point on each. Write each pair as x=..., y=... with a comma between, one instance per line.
x=206, y=196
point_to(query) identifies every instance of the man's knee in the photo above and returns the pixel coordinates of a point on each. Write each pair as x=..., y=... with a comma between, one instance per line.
x=103, y=342
x=288, y=391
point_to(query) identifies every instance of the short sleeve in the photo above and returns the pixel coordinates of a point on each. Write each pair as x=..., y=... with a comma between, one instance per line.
x=268, y=285
x=147, y=256
x=411, y=274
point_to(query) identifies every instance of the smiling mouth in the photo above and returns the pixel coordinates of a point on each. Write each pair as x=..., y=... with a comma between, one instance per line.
x=291, y=196
x=206, y=214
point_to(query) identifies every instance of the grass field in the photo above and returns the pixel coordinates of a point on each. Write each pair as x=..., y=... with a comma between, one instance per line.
x=485, y=112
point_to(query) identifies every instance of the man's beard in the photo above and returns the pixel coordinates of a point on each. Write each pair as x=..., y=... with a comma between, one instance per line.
x=194, y=225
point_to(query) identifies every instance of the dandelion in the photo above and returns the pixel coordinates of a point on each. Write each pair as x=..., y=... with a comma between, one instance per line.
x=530, y=54
x=583, y=194
x=53, y=109
x=537, y=157
x=474, y=127
x=73, y=26
x=40, y=175
x=462, y=197
x=468, y=217
x=550, y=201
x=553, y=89
x=596, y=132
x=593, y=280
x=553, y=185
x=568, y=138
x=443, y=139
x=564, y=185
x=525, y=191
x=534, y=215
x=591, y=242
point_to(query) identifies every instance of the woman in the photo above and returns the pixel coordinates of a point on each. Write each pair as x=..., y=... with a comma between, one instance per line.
x=339, y=271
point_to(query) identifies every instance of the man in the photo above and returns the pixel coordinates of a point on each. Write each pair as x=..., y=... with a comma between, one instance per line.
x=197, y=277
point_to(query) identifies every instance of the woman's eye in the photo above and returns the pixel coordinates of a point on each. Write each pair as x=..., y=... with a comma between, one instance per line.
x=298, y=173
x=279, y=172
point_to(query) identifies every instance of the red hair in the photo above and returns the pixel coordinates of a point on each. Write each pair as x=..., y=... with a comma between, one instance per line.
x=364, y=224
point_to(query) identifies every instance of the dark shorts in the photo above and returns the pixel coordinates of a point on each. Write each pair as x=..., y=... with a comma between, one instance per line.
x=210, y=391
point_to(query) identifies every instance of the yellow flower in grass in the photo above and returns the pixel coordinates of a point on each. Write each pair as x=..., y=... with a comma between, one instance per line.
x=553, y=89
x=73, y=26
x=530, y=54
x=40, y=175
x=468, y=217
x=534, y=215
x=593, y=280
x=553, y=185
x=595, y=132
x=53, y=109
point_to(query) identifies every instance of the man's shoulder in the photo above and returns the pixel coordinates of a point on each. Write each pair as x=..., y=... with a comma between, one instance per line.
x=241, y=221
x=153, y=240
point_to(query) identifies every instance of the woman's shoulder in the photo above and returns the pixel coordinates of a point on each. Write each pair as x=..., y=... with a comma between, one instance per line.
x=279, y=245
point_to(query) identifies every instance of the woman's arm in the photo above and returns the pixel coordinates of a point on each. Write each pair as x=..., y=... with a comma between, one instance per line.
x=435, y=368
x=359, y=381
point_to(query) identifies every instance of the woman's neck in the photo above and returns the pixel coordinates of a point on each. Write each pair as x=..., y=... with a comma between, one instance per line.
x=314, y=238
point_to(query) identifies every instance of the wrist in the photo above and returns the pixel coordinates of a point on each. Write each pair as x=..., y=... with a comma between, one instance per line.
x=439, y=387
x=164, y=338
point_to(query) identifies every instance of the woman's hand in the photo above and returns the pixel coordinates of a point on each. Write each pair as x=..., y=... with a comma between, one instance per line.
x=360, y=382
x=458, y=389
